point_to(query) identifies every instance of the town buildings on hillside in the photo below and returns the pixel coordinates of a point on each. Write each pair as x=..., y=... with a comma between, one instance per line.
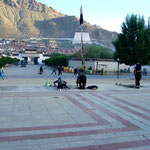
x=8, y=47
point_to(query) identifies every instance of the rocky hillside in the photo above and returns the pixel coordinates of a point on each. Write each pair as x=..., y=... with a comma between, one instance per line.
x=29, y=18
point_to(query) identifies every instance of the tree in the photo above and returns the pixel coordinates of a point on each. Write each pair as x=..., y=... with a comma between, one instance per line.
x=8, y=60
x=133, y=44
x=96, y=51
x=56, y=60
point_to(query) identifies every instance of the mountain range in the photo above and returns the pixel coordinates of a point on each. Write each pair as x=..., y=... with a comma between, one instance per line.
x=28, y=18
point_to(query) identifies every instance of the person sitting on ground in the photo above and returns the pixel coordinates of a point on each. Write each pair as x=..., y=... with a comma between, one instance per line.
x=61, y=84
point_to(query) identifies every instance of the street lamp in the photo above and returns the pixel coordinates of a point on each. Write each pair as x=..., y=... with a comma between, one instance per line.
x=118, y=60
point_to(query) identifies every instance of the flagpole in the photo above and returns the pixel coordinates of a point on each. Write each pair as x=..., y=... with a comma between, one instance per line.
x=82, y=46
x=81, y=26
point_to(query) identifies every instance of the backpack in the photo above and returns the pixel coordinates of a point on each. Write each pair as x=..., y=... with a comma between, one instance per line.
x=93, y=87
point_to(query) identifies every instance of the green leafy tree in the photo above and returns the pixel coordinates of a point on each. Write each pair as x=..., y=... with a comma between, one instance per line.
x=133, y=44
x=96, y=51
x=93, y=51
x=8, y=60
x=56, y=60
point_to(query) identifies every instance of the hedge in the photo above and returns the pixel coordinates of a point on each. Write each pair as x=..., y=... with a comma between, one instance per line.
x=8, y=60
x=58, y=60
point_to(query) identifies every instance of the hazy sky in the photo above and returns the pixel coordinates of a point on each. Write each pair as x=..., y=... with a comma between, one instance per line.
x=108, y=14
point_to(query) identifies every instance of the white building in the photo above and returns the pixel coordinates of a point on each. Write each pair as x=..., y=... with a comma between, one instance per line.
x=85, y=37
x=32, y=56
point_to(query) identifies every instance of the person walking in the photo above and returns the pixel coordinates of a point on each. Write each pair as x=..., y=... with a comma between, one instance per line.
x=41, y=69
x=54, y=71
x=145, y=71
x=1, y=74
x=138, y=74
x=75, y=71
x=59, y=70
x=2, y=70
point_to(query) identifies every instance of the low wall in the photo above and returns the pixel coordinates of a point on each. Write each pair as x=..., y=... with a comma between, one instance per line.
x=110, y=66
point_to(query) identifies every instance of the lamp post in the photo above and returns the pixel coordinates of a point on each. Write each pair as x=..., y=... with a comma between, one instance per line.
x=118, y=68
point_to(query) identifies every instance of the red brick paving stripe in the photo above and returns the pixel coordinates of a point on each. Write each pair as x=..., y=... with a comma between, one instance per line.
x=130, y=127
x=132, y=111
x=127, y=109
x=128, y=103
x=54, y=93
x=48, y=127
x=64, y=134
x=100, y=121
x=113, y=115
x=113, y=146
x=92, y=114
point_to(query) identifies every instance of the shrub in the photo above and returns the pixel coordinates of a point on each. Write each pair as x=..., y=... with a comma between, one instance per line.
x=57, y=60
x=8, y=60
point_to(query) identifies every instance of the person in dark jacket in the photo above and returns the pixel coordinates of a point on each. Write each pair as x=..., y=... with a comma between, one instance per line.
x=54, y=71
x=61, y=84
x=75, y=71
x=138, y=74
x=41, y=69
x=81, y=80
x=59, y=70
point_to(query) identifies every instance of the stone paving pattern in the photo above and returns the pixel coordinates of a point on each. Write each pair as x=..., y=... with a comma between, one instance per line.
x=36, y=117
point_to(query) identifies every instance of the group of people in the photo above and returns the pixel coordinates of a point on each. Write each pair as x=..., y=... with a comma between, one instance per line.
x=54, y=70
x=61, y=84
x=59, y=70
x=82, y=79
x=80, y=82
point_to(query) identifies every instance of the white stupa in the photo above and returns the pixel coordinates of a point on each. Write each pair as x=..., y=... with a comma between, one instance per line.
x=85, y=37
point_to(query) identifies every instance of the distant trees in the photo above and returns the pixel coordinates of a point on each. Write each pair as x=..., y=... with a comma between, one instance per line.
x=7, y=60
x=96, y=51
x=133, y=44
x=93, y=51
x=56, y=60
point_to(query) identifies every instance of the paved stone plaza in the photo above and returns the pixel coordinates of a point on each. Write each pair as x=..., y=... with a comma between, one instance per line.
x=36, y=117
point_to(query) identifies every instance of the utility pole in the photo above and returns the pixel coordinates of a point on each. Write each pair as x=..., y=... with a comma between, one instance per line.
x=82, y=46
